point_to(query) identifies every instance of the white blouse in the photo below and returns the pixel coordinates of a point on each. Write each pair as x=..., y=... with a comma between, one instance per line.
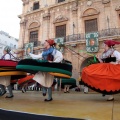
x=7, y=57
x=58, y=57
x=117, y=55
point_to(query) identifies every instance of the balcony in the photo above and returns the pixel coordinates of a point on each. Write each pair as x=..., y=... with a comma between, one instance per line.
x=103, y=34
x=112, y=32
x=75, y=37
x=36, y=43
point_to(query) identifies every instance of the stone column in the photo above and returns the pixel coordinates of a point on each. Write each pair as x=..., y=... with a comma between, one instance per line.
x=46, y=25
x=22, y=33
x=74, y=16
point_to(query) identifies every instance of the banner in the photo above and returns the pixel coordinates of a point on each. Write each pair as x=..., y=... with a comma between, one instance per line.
x=28, y=49
x=58, y=42
x=92, y=42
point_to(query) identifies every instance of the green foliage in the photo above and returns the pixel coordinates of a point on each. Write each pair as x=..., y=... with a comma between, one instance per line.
x=91, y=61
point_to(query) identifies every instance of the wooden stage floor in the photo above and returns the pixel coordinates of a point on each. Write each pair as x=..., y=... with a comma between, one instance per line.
x=91, y=106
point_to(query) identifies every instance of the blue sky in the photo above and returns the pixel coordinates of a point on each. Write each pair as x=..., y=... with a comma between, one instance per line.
x=9, y=21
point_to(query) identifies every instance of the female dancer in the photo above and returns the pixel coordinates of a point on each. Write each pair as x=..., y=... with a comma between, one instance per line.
x=43, y=78
x=105, y=76
x=5, y=80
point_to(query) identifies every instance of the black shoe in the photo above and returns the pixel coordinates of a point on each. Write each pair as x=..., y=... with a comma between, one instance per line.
x=68, y=92
x=65, y=92
x=44, y=94
x=9, y=96
x=46, y=100
x=23, y=91
x=103, y=95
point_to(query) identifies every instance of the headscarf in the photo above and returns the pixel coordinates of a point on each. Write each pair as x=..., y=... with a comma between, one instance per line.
x=109, y=52
x=7, y=49
x=51, y=42
x=111, y=43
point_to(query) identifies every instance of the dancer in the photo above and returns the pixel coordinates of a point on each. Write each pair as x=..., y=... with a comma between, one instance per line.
x=109, y=54
x=5, y=80
x=44, y=78
x=104, y=77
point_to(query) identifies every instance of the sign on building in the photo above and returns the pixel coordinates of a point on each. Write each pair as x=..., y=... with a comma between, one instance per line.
x=59, y=42
x=28, y=49
x=92, y=42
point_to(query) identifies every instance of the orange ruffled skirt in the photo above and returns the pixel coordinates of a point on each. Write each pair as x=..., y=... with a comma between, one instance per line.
x=28, y=79
x=102, y=77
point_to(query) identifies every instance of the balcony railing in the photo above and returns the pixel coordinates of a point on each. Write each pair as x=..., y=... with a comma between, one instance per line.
x=36, y=43
x=74, y=37
x=112, y=32
x=109, y=32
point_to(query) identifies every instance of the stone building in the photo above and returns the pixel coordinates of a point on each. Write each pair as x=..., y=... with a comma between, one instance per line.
x=75, y=22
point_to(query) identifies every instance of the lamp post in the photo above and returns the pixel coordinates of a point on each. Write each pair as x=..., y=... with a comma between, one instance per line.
x=108, y=24
x=73, y=27
x=73, y=30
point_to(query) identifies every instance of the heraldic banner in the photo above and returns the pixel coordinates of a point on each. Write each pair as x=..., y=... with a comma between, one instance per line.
x=92, y=42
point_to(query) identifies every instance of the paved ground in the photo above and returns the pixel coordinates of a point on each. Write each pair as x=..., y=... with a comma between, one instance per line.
x=91, y=106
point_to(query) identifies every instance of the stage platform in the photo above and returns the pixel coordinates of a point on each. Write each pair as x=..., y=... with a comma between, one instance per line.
x=91, y=106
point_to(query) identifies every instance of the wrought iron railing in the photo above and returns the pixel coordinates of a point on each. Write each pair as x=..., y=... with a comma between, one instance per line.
x=74, y=37
x=109, y=32
x=101, y=34
x=112, y=32
x=36, y=43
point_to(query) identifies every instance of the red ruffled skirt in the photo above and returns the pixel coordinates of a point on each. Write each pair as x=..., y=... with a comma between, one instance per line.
x=102, y=77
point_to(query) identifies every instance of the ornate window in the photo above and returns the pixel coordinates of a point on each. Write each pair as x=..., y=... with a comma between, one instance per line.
x=91, y=25
x=60, y=1
x=36, y=6
x=34, y=37
x=60, y=31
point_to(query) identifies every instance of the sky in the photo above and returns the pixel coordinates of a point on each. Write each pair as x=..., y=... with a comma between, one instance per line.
x=9, y=21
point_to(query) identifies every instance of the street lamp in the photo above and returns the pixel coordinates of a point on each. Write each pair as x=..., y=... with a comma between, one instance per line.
x=73, y=27
x=73, y=30
x=108, y=24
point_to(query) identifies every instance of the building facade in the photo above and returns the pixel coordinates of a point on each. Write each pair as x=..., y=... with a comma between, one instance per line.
x=7, y=40
x=74, y=21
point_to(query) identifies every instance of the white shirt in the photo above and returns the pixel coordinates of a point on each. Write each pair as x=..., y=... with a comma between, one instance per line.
x=117, y=55
x=7, y=57
x=58, y=57
x=44, y=78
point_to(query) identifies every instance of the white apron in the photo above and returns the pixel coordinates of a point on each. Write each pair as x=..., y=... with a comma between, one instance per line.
x=44, y=79
x=5, y=80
